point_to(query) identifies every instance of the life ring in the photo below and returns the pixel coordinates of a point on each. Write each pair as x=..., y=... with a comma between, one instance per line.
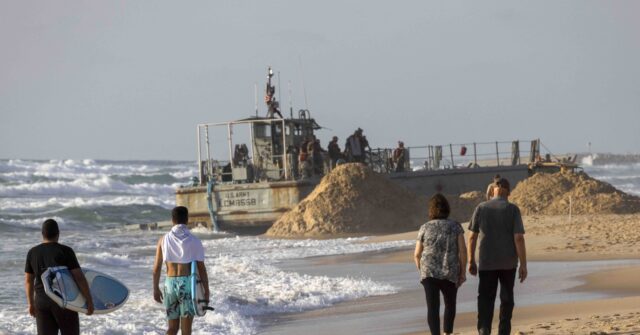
x=463, y=150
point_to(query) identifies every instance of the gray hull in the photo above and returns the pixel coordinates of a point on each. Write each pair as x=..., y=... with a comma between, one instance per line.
x=254, y=207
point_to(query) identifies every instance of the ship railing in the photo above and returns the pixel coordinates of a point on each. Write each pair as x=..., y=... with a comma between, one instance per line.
x=459, y=155
x=204, y=154
x=222, y=172
x=214, y=169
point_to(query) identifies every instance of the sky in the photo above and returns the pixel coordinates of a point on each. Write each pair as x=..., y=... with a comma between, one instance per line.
x=131, y=79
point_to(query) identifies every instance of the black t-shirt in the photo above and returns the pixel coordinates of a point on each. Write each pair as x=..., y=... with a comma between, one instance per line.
x=46, y=255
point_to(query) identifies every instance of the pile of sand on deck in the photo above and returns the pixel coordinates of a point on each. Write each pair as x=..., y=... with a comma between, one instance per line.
x=545, y=193
x=354, y=200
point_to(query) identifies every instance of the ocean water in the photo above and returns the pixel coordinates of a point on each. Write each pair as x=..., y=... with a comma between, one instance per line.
x=625, y=177
x=92, y=200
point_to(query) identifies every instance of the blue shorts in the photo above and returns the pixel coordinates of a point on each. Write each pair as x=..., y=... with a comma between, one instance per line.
x=177, y=297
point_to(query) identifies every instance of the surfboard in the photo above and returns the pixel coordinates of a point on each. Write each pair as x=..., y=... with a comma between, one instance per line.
x=200, y=305
x=108, y=293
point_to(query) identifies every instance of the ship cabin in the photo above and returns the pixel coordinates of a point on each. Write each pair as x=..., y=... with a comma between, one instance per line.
x=271, y=154
x=256, y=180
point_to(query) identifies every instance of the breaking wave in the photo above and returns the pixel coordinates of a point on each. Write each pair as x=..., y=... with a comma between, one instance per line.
x=48, y=205
x=100, y=186
x=88, y=193
x=625, y=177
x=90, y=218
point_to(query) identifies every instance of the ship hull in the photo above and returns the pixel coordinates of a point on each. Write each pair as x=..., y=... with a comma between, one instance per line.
x=250, y=207
x=254, y=207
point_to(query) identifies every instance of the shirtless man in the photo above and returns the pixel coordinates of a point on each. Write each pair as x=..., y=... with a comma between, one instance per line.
x=491, y=187
x=177, y=249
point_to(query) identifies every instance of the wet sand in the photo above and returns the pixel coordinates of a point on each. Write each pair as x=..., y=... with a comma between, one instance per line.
x=610, y=315
x=583, y=279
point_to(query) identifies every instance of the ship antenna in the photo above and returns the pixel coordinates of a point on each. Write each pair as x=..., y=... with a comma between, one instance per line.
x=304, y=90
x=255, y=93
x=290, y=101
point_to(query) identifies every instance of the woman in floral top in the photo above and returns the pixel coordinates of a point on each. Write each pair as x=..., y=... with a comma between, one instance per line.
x=441, y=258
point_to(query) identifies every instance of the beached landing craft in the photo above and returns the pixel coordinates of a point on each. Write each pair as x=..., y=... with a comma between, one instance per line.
x=260, y=179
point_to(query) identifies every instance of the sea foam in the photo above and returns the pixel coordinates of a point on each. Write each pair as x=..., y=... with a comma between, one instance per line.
x=55, y=204
x=105, y=258
x=244, y=275
x=98, y=186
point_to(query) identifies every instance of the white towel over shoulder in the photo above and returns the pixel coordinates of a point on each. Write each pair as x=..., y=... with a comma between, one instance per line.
x=180, y=246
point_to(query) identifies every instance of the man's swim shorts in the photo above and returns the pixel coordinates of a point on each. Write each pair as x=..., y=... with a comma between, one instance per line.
x=177, y=297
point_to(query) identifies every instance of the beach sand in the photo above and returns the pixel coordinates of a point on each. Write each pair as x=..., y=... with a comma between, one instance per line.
x=579, y=238
x=615, y=309
x=608, y=316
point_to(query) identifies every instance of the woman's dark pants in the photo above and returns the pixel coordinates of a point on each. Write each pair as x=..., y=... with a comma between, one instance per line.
x=432, y=289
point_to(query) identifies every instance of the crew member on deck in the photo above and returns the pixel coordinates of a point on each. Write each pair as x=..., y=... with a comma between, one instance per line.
x=355, y=147
x=399, y=156
x=334, y=151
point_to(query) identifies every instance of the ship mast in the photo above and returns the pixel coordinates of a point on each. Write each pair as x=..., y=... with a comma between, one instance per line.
x=270, y=99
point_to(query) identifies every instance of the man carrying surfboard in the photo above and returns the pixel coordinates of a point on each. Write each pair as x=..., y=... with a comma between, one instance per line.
x=49, y=316
x=178, y=249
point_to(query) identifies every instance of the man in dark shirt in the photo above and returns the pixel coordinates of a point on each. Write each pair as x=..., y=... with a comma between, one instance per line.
x=355, y=147
x=318, y=158
x=334, y=151
x=497, y=227
x=49, y=316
